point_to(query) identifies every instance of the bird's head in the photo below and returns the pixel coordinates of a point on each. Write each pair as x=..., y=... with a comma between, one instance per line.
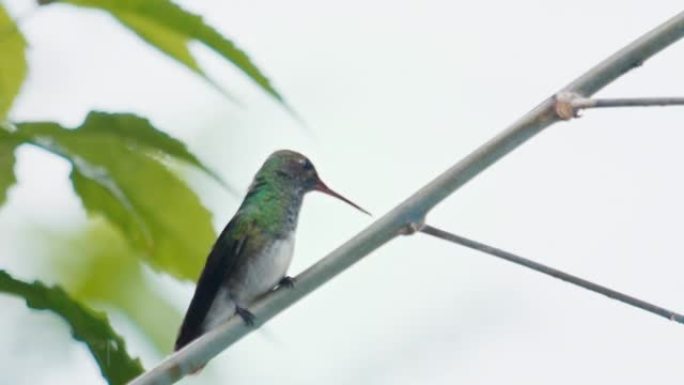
x=294, y=169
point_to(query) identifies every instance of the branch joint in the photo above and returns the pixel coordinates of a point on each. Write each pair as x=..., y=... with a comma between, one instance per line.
x=412, y=227
x=567, y=104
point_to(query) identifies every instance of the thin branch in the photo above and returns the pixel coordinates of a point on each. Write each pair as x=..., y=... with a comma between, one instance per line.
x=624, y=298
x=627, y=102
x=568, y=104
x=414, y=209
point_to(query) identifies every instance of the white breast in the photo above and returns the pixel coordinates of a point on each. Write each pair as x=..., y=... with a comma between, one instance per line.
x=264, y=271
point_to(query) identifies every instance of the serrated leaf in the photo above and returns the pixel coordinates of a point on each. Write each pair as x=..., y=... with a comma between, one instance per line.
x=163, y=38
x=139, y=132
x=7, y=160
x=108, y=348
x=159, y=214
x=12, y=61
x=170, y=28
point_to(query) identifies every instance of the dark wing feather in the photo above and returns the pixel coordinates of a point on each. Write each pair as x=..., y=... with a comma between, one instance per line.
x=221, y=260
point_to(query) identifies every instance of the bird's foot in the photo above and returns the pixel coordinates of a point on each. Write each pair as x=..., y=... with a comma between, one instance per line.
x=286, y=281
x=246, y=315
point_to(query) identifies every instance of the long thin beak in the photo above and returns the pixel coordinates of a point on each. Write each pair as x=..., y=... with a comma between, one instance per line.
x=320, y=186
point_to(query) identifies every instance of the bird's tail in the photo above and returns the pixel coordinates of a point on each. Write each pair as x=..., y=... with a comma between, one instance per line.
x=185, y=336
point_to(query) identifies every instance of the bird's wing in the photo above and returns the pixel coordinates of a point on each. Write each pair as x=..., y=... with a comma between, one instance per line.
x=227, y=250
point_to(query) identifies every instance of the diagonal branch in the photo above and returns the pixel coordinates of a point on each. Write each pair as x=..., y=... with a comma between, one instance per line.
x=414, y=209
x=581, y=282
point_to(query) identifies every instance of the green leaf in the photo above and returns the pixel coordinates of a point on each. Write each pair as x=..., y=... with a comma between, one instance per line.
x=158, y=213
x=166, y=39
x=96, y=264
x=108, y=348
x=170, y=28
x=7, y=160
x=138, y=132
x=12, y=61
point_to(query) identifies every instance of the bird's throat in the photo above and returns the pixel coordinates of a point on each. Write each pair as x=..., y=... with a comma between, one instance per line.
x=273, y=208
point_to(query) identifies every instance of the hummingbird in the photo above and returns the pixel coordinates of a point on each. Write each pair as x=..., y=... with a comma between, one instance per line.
x=253, y=252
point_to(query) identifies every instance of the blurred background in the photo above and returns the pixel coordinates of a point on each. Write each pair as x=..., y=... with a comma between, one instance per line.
x=392, y=94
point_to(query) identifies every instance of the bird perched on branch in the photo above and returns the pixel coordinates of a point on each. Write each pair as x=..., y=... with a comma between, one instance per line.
x=254, y=251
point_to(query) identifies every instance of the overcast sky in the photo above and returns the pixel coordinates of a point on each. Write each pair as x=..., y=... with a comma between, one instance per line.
x=393, y=93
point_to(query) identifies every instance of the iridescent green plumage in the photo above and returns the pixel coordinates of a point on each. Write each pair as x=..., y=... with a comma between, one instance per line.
x=275, y=196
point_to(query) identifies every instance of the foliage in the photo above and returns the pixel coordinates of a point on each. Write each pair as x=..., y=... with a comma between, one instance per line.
x=170, y=28
x=117, y=174
x=93, y=329
x=97, y=265
x=12, y=62
x=7, y=160
x=142, y=213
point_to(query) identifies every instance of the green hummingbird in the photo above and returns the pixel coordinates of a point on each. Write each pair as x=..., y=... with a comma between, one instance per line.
x=254, y=251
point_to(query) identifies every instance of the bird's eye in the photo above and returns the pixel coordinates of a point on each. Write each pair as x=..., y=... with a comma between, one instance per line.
x=307, y=165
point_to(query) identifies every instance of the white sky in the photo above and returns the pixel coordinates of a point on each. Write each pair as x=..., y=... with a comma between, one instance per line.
x=394, y=93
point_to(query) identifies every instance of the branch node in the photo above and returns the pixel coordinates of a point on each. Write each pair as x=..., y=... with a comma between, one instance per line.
x=566, y=105
x=412, y=227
